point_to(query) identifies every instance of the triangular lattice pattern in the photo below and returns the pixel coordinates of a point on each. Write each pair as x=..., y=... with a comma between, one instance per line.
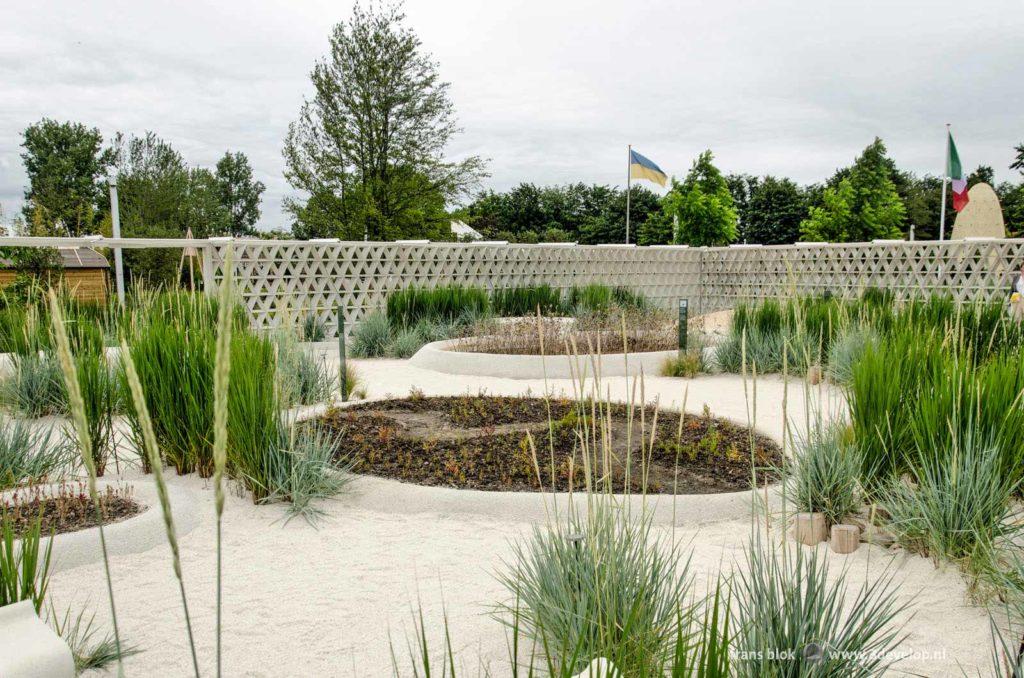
x=297, y=278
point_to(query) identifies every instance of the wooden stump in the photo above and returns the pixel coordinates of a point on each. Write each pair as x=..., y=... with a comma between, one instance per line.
x=810, y=528
x=845, y=538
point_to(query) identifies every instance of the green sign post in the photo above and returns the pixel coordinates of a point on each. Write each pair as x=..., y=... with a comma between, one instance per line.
x=343, y=372
x=684, y=313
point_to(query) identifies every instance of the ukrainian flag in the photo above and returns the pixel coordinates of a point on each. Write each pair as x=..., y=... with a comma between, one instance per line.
x=642, y=168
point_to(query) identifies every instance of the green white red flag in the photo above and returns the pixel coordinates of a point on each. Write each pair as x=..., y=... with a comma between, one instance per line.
x=957, y=180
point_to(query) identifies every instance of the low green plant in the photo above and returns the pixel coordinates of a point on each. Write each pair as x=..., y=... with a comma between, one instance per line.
x=957, y=507
x=405, y=343
x=90, y=648
x=371, y=337
x=687, y=364
x=793, y=617
x=763, y=350
x=305, y=378
x=35, y=387
x=352, y=383
x=824, y=475
x=599, y=585
x=304, y=471
x=27, y=455
x=847, y=350
x=313, y=328
x=24, y=568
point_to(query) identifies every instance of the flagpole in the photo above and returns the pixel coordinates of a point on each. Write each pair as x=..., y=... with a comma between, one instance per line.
x=629, y=158
x=945, y=178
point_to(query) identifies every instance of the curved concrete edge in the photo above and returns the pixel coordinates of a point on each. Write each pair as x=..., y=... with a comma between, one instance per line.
x=384, y=495
x=135, y=535
x=443, y=356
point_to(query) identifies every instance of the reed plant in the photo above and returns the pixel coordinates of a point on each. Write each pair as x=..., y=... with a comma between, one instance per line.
x=99, y=386
x=156, y=465
x=526, y=301
x=407, y=307
x=253, y=405
x=24, y=565
x=78, y=416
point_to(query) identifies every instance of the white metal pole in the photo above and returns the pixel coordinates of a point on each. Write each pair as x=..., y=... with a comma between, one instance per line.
x=115, y=219
x=945, y=178
x=629, y=163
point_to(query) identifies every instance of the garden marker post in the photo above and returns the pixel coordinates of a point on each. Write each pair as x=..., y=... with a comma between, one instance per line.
x=684, y=313
x=343, y=372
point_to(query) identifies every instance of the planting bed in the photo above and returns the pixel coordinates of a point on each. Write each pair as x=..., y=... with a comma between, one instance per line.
x=67, y=508
x=480, y=442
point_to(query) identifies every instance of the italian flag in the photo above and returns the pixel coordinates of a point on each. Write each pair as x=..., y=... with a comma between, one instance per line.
x=955, y=173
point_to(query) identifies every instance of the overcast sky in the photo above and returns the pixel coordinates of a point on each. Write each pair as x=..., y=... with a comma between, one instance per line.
x=550, y=91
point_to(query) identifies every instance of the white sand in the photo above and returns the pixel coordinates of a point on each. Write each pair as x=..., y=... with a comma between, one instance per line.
x=300, y=601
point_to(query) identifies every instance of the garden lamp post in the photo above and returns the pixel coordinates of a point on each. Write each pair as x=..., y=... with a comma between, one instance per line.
x=115, y=220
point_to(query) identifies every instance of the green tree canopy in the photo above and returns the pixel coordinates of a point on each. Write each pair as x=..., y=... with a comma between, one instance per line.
x=703, y=205
x=239, y=192
x=64, y=164
x=862, y=206
x=770, y=210
x=368, y=149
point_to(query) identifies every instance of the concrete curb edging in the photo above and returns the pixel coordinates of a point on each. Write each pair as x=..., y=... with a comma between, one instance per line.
x=134, y=535
x=443, y=356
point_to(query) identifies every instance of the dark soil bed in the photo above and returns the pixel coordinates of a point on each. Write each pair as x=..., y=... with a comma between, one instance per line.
x=69, y=510
x=482, y=442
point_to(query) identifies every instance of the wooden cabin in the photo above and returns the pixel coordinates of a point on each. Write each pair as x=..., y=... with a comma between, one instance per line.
x=85, y=272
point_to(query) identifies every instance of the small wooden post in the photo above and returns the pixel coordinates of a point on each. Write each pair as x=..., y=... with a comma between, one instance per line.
x=342, y=367
x=810, y=528
x=845, y=538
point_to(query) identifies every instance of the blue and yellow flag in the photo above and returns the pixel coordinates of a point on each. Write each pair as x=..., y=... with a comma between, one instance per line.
x=642, y=168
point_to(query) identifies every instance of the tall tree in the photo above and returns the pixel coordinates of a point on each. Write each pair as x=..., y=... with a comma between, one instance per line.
x=703, y=205
x=863, y=206
x=64, y=163
x=369, y=147
x=238, y=192
x=773, y=212
x=983, y=175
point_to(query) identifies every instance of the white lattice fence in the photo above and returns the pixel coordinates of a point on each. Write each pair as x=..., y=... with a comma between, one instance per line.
x=284, y=278
x=968, y=270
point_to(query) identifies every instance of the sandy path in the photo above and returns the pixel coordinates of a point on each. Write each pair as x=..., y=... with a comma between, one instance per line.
x=301, y=601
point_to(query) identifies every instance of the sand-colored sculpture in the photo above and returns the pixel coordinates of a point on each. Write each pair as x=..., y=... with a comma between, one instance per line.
x=982, y=217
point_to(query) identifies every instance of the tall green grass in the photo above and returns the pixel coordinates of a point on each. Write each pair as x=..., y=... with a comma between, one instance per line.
x=452, y=303
x=526, y=300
